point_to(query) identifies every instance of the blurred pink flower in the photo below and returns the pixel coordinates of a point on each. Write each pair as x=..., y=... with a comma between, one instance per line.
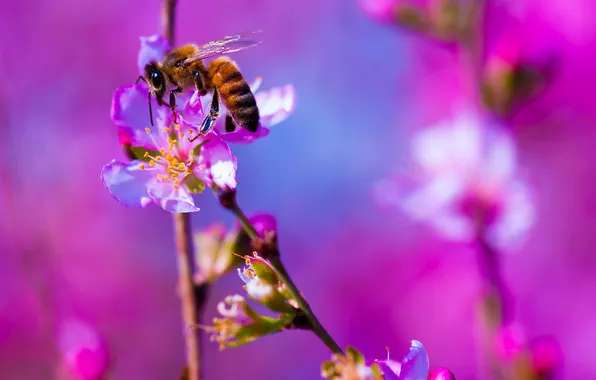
x=85, y=355
x=546, y=356
x=466, y=182
x=275, y=105
x=510, y=340
x=379, y=10
x=170, y=168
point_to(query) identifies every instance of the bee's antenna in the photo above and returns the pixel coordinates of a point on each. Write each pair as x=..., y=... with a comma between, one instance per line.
x=141, y=78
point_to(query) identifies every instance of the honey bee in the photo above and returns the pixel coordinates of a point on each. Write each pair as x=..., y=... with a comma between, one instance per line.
x=182, y=68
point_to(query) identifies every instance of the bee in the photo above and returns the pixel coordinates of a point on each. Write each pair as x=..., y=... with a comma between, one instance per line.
x=182, y=68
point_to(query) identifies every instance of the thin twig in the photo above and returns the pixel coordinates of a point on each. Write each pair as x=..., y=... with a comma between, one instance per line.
x=191, y=297
x=274, y=257
x=168, y=19
x=190, y=308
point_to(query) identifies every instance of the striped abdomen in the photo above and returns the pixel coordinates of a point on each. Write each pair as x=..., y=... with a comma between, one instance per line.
x=235, y=93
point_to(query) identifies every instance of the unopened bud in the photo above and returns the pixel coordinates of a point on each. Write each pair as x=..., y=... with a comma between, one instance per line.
x=546, y=356
x=84, y=352
x=441, y=374
x=214, y=250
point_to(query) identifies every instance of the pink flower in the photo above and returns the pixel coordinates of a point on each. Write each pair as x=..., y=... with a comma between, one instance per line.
x=168, y=168
x=85, y=355
x=466, y=182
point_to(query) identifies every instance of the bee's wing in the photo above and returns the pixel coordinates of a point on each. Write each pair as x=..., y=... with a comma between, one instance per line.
x=228, y=44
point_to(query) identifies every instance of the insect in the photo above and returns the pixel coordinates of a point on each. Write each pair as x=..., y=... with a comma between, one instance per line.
x=182, y=68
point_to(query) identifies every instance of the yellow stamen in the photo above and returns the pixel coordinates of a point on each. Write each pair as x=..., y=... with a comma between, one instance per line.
x=147, y=130
x=166, y=129
x=142, y=166
x=181, y=134
x=176, y=181
x=178, y=127
x=181, y=166
x=162, y=151
x=166, y=178
x=159, y=176
x=201, y=167
x=152, y=163
x=146, y=154
x=176, y=187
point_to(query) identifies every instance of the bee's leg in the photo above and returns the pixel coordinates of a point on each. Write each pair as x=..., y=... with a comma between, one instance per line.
x=213, y=113
x=150, y=110
x=173, y=102
x=141, y=78
x=200, y=84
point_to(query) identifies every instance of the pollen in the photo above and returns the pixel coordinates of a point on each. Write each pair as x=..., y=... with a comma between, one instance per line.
x=147, y=130
x=173, y=163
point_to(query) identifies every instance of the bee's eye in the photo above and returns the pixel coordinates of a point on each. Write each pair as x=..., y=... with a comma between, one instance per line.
x=157, y=79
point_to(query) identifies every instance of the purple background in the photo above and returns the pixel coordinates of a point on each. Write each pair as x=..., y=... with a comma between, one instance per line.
x=375, y=278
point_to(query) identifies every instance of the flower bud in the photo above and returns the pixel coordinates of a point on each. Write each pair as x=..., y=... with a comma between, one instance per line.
x=510, y=77
x=241, y=324
x=350, y=366
x=85, y=355
x=545, y=356
x=214, y=250
x=265, y=287
x=441, y=374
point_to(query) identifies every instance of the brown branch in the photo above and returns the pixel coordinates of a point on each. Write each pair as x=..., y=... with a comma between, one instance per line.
x=191, y=304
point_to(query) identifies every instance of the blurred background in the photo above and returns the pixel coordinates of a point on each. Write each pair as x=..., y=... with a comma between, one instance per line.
x=374, y=277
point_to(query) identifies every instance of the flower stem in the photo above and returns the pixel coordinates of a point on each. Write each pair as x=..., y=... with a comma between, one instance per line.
x=192, y=297
x=188, y=296
x=168, y=19
x=494, y=306
x=275, y=259
x=317, y=328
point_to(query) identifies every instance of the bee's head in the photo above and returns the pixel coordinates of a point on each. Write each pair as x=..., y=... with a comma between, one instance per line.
x=156, y=79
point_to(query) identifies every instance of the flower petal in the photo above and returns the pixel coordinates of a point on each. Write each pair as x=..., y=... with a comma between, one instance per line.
x=193, y=109
x=170, y=199
x=153, y=48
x=218, y=161
x=415, y=364
x=276, y=104
x=126, y=183
x=130, y=113
x=390, y=369
x=243, y=136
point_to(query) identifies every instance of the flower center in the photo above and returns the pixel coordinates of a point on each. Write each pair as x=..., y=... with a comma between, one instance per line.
x=170, y=159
